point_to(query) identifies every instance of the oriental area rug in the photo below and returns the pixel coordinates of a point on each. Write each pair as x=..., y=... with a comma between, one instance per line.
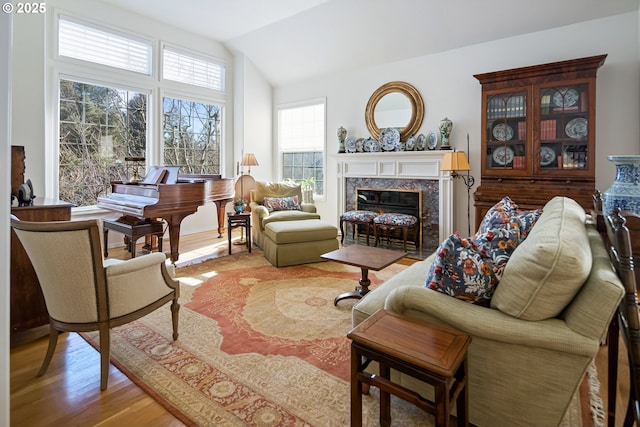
x=259, y=346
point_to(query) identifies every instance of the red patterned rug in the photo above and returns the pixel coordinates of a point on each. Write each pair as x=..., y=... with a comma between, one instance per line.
x=258, y=346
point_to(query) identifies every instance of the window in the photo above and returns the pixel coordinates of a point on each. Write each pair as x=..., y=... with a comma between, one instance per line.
x=189, y=69
x=301, y=141
x=192, y=135
x=99, y=127
x=106, y=115
x=80, y=41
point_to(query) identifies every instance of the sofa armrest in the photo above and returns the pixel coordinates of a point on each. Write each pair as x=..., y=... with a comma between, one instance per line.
x=308, y=207
x=488, y=323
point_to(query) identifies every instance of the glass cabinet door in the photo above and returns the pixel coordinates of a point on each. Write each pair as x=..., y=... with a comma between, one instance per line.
x=564, y=127
x=506, y=131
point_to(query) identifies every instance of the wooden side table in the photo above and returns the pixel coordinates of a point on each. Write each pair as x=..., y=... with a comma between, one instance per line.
x=236, y=220
x=430, y=353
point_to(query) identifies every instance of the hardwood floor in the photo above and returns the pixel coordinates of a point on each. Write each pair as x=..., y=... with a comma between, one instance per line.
x=69, y=393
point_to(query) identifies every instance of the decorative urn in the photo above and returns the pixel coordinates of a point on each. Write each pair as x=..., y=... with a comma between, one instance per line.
x=624, y=193
x=342, y=135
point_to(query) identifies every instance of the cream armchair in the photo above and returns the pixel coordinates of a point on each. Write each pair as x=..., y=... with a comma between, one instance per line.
x=261, y=216
x=83, y=293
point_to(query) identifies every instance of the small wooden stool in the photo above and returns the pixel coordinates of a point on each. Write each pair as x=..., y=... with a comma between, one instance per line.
x=236, y=220
x=357, y=217
x=390, y=221
x=133, y=229
x=427, y=352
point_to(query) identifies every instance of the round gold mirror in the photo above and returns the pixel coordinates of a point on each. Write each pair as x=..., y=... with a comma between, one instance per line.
x=397, y=105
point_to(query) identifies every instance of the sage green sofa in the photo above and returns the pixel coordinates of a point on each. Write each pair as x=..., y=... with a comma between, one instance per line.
x=293, y=235
x=531, y=348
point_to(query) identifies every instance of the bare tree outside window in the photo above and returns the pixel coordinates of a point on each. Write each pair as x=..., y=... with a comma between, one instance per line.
x=99, y=127
x=192, y=136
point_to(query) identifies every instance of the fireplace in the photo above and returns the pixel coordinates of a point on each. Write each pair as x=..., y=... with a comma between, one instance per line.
x=383, y=200
x=416, y=172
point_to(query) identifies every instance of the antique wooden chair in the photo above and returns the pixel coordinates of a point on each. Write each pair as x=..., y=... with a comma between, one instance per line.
x=83, y=293
x=627, y=320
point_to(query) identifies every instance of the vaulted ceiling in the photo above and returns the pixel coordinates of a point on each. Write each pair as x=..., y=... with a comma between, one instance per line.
x=291, y=40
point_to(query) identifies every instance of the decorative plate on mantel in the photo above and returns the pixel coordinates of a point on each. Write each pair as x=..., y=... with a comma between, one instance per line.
x=389, y=139
x=432, y=140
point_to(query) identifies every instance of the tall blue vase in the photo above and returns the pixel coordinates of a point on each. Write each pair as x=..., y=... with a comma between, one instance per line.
x=624, y=193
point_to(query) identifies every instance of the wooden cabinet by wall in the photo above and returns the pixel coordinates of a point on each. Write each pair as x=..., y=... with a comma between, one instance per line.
x=28, y=309
x=538, y=134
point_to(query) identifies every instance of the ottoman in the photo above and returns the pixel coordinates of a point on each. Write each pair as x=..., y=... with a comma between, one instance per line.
x=298, y=242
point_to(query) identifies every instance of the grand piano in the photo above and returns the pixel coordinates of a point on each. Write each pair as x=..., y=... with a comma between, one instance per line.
x=177, y=198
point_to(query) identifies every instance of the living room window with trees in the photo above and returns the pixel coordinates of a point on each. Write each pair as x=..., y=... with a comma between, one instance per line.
x=301, y=143
x=102, y=121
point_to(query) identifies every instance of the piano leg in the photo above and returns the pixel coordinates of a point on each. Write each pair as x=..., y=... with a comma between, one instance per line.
x=174, y=233
x=220, y=204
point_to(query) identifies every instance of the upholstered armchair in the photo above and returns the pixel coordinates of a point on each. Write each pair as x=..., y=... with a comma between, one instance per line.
x=280, y=206
x=83, y=293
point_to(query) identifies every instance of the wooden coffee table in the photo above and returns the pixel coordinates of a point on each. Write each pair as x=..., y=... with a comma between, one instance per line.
x=367, y=258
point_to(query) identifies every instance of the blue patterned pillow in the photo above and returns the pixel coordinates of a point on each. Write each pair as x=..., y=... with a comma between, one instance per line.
x=461, y=271
x=470, y=268
x=281, y=203
x=505, y=212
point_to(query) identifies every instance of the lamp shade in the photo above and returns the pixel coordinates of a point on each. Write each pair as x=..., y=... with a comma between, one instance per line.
x=249, y=159
x=455, y=161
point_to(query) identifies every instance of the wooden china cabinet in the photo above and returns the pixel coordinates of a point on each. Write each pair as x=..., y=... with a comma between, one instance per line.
x=538, y=134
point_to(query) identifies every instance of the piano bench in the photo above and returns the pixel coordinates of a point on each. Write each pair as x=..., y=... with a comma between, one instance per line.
x=133, y=229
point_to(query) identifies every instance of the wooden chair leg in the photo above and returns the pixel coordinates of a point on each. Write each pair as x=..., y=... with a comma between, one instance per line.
x=105, y=353
x=341, y=231
x=175, y=311
x=53, y=341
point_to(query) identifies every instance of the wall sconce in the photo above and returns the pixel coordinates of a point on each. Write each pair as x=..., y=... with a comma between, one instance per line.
x=455, y=162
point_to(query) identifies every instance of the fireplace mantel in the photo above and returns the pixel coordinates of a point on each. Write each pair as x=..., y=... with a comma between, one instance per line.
x=411, y=165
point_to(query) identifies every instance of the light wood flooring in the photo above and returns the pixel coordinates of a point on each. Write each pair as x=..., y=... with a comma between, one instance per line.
x=69, y=393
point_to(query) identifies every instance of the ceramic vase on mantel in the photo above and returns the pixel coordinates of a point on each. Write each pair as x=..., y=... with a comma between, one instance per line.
x=624, y=193
x=342, y=135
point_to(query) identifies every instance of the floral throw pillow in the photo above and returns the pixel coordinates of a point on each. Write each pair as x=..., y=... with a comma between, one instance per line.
x=281, y=203
x=506, y=212
x=459, y=270
x=470, y=268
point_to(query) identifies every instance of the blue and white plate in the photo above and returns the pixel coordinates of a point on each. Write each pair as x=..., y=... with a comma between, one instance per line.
x=421, y=142
x=371, y=145
x=432, y=139
x=410, y=145
x=350, y=144
x=389, y=139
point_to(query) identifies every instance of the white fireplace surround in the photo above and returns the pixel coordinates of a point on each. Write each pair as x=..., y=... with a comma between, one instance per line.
x=400, y=165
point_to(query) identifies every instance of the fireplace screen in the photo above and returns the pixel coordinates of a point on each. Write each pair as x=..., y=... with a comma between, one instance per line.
x=382, y=200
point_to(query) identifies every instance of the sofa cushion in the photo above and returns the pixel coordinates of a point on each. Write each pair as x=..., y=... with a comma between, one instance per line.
x=291, y=203
x=547, y=269
x=308, y=230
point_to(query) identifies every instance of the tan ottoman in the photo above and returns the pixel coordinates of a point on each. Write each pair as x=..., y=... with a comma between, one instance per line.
x=298, y=242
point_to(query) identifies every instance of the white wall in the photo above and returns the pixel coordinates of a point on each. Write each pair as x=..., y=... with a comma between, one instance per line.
x=5, y=167
x=253, y=106
x=449, y=89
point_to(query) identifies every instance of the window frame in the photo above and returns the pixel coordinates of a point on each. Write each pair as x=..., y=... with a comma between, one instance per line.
x=280, y=151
